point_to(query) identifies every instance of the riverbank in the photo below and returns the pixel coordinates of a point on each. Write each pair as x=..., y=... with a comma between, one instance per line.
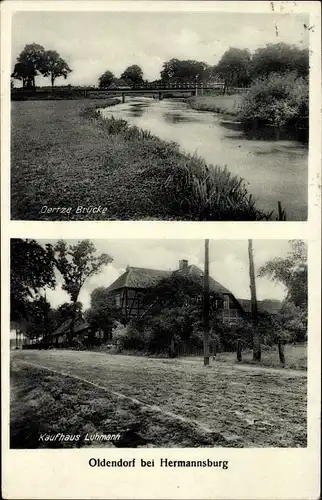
x=68, y=163
x=228, y=105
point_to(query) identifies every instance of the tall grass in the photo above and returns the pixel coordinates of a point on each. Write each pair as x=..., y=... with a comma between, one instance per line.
x=185, y=184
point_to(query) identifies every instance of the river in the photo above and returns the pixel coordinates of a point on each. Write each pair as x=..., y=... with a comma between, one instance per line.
x=274, y=169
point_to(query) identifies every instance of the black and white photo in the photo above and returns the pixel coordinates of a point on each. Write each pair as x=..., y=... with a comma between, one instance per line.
x=159, y=116
x=161, y=249
x=160, y=343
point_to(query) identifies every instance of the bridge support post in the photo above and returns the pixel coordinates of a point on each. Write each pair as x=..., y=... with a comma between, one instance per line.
x=123, y=97
x=160, y=96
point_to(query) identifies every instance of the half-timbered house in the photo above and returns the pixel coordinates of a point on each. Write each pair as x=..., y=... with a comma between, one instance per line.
x=129, y=289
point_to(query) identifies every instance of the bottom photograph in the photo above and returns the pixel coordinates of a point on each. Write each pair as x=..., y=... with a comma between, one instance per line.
x=158, y=343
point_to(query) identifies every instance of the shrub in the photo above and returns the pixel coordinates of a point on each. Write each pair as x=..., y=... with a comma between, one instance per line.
x=119, y=333
x=278, y=100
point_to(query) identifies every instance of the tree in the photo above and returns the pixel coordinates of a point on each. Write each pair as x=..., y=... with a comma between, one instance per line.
x=54, y=66
x=173, y=316
x=106, y=79
x=77, y=263
x=65, y=311
x=29, y=64
x=280, y=58
x=25, y=73
x=133, y=75
x=31, y=270
x=291, y=272
x=234, y=68
x=291, y=320
x=186, y=71
x=37, y=325
x=102, y=313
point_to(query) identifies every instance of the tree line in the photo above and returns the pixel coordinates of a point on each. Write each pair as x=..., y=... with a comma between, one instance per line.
x=236, y=68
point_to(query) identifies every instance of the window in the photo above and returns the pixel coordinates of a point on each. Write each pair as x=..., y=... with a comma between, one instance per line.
x=118, y=300
x=226, y=303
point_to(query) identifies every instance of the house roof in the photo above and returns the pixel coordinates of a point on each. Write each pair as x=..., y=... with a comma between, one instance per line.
x=268, y=305
x=140, y=277
x=80, y=325
x=197, y=274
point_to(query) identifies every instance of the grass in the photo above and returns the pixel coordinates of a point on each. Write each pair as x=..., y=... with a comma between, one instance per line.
x=170, y=403
x=295, y=357
x=65, y=156
x=228, y=105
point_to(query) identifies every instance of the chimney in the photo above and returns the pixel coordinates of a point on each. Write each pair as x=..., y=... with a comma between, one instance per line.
x=183, y=264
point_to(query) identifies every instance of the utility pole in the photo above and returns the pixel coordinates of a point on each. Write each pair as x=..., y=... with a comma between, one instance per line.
x=206, y=306
x=254, y=310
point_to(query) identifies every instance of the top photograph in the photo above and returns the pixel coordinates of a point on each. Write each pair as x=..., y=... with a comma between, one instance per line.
x=167, y=116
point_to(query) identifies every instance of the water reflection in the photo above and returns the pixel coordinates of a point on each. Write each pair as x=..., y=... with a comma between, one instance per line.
x=137, y=109
x=275, y=166
x=179, y=118
x=266, y=133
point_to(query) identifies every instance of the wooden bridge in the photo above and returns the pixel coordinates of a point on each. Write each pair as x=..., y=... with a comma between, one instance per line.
x=156, y=89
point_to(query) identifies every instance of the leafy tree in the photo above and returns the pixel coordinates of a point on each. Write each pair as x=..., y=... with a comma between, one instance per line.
x=24, y=72
x=186, y=71
x=291, y=272
x=106, y=79
x=54, y=66
x=31, y=270
x=29, y=64
x=65, y=312
x=280, y=58
x=173, y=315
x=77, y=263
x=290, y=323
x=102, y=313
x=133, y=75
x=234, y=68
x=37, y=324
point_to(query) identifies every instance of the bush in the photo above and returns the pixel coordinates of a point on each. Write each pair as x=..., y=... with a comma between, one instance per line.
x=119, y=333
x=278, y=100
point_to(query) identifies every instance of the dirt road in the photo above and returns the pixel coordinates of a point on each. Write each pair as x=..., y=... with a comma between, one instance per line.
x=176, y=402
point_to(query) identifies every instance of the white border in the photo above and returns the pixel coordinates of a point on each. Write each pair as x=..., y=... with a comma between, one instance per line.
x=253, y=473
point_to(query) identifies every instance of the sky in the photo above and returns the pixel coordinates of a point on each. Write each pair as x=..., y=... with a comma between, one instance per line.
x=93, y=42
x=228, y=263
